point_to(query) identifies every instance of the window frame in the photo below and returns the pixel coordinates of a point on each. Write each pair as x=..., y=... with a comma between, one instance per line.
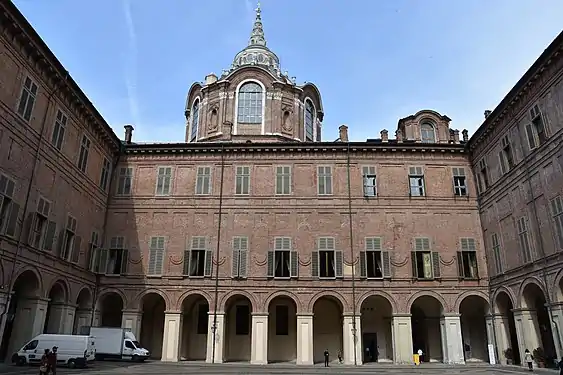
x=193, y=136
x=324, y=175
x=523, y=232
x=243, y=177
x=432, y=126
x=59, y=129
x=123, y=177
x=29, y=94
x=204, y=176
x=369, y=172
x=164, y=193
x=237, y=105
x=556, y=210
x=313, y=120
x=84, y=153
x=105, y=174
x=282, y=177
x=416, y=175
x=459, y=190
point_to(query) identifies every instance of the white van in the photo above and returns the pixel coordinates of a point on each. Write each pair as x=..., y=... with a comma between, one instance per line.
x=72, y=350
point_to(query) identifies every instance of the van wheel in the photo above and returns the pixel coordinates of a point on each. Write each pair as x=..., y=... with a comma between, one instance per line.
x=20, y=361
x=71, y=363
x=135, y=358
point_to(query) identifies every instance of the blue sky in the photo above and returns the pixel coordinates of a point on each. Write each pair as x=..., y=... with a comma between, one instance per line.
x=374, y=61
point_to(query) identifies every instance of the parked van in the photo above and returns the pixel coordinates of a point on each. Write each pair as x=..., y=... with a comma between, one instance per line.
x=73, y=350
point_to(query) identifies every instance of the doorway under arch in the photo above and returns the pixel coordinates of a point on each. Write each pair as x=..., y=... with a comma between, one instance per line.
x=238, y=329
x=282, y=330
x=83, y=315
x=540, y=331
x=152, y=323
x=56, y=310
x=327, y=328
x=473, y=310
x=195, y=326
x=110, y=306
x=505, y=328
x=426, y=312
x=377, y=336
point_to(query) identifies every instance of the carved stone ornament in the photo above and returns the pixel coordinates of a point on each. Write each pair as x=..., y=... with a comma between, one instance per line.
x=213, y=117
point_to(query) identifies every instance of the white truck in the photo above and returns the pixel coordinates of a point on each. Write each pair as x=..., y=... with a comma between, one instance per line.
x=117, y=343
x=72, y=350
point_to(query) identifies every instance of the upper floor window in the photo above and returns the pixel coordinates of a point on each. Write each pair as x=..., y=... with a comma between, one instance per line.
x=326, y=261
x=425, y=262
x=42, y=233
x=416, y=182
x=242, y=185
x=557, y=214
x=496, y=253
x=505, y=155
x=125, y=181
x=84, y=151
x=27, y=98
x=198, y=260
x=283, y=260
x=195, y=121
x=249, y=109
x=70, y=248
x=467, y=259
x=156, y=256
x=203, y=181
x=9, y=209
x=163, y=181
x=104, y=176
x=283, y=180
x=460, y=182
x=427, y=133
x=309, y=121
x=524, y=239
x=324, y=180
x=536, y=130
x=59, y=130
x=370, y=181
x=482, y=175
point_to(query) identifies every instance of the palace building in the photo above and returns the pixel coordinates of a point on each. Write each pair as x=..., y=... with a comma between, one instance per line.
x=260, y=238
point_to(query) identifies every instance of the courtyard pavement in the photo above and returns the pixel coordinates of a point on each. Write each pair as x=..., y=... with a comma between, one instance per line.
x=160, y=368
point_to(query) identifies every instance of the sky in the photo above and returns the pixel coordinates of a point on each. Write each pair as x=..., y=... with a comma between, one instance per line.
x=374, y=61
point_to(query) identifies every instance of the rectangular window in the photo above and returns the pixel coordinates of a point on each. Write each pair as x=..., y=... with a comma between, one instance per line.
x=496, y=253
x=117, y=257
x=536, y=130
x=156, y=256
x=125, y=180
x=416, y=181
x=374, y=265
x=460, y=182
x=506, y=159
x=557, y=215
x=84, y=152
x=242, y=320
x=163, y=181
x=9, y=209
x=282, y=253
x=202, y=318
x=27, y=98
x=326, y=261
x=198, y=260
x=467, y=259
x=370, y=181
x=524, y=239
x=94, y=253
x=242, y=181
x=203, y=181
x=425, y=262
x=240, y=252
x=40, y=224
x=70, y=246
x=482, y=175
x=282, y=320
x=104, y=177
x=324, y=180
x=283, y=180
x=59, y=130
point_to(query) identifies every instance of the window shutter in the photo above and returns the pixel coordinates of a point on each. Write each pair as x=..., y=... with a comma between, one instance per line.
x=28, y=227
x=436, y=264
x=242, y=264
x=76, y=249
x=413, y=264
x=501, y=162
x=159, y=257
x=60, y=242
x=531, y=136
x=363, y=265
x=13, y=220
x=460, y=272
x=50, y=236
x=294, y=264
x=315, y=264
x=103, y=265
x=270, y=263
x=92, y=260
x=124, y=261
x=338, y=263
x=235, y=263
x=386, y=263
x=208, y=263
x=187, y=262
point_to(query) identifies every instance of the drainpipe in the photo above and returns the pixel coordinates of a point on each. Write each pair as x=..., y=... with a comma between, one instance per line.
x=492, y=305
x=354, y=331
x=214, y=327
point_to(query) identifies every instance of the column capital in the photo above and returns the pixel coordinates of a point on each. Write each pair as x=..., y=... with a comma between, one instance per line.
x=451, y=316
x=523, y=311
x=172, y=312
x=218, y=313
x=132, y=312
x=303, y=315
x=258, y=314
x=556, y=305
x=350, y=315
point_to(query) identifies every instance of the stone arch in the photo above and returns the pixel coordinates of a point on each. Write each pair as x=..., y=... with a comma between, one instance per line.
x=498, y=292
x=470, y=293
x=193, y=292
x=328, y=293
x=104, y=292
x=63, y=284
x=283, y=293
x=84, y=291
x=557, y=295
x=35, y=272
x=226, y=297
x=532, y=280
x=317, y=93
x=428, y=293
x=378, y=293
x=138, y=300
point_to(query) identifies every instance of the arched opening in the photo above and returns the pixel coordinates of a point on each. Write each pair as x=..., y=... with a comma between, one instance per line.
x=309, y=121
x=327, y=328
x=505, y=329
x=238, y=329
x=111, y=310
x=56, y=314
x=152, y=323
x=83, y=315
x=427, y=133
x=282, y=330
x=195, y=121
x=195, y=326
x=249, y=104
x=560, y=291
x=426, y=312
x=24, y=314
x=473, y=311
x=377, y=337
x=539, y=325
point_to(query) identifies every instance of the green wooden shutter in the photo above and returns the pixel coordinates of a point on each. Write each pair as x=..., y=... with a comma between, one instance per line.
x=13, y=219
x=124, y=261
x=187, y=254
x=208, y=263
x=243, y=264
x=414, y=266
x=271, y=260
x=75, y=257
x=338, y=263
x=235, y=263
x=386, y=264
x=460, y=272
x=294, y=264
x=363, y=265
x=103, y=266
x=50, y=236
x=315, y=264
x=436, y=265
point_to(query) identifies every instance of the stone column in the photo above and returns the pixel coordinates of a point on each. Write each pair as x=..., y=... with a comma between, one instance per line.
x=29, y=321
x=352, y=341
x=304, y=339
x=4, y=301
x=55, y=321
x=67, y=323
x=259, y=339
x=131, y=319
x=83, y=319
x=401, y=336
x=527, y=330
x=452, y=343
x=557, y=327
x=503, y=339
x=218, y=338
x=171, y=336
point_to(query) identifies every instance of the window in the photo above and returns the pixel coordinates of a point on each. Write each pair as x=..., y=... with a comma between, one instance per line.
x=104, y=177
x=496, y=253
x=524, y=239
x=425, y=263
x=467, y=259
x=9, y=209
x=370, y=181
x=416, y=182
x=195, y=121
x=59, y=130
x=283, y=180
x=374, y=263
x=324, y=180
x=309, y=121
x=427, y=133
x=283, y=260
x=71, y=244
x=242, y=320
x=249, y=109
x=282, y=320
x=202, y=318
x=506, y=160
x=240, y=252
x=117, y=257
x=326, y=261
x=27, y=98
x=198, y=260
x=156, y=256
x=242, y=181
x=94, y=253
x=203, y=181
x=482, y=176
x=557, y=214
x=125, y=180
x=536, y=130
x=84, y=152
x=460, y=182
x=42, y=233
x=163, y=181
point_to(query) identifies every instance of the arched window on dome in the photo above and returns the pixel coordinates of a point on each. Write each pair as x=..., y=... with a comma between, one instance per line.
x=427, y=133
x=195, y=121
x=309, y=121
x=249, y=108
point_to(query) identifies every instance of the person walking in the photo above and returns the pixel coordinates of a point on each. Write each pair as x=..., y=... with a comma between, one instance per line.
x=44, y=365
x=52, y=360
x=326, y=357
x=560, y=366
x=529, y=359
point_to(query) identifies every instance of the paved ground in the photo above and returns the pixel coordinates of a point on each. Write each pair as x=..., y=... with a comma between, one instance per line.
x=159, y=368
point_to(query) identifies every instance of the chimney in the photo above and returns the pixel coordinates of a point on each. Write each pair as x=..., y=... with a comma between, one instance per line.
x=384, y=135
x=210, y=78
x=128, y=133
x=456, y=136
x=488, y=113
x=465, y=134
x=343, y=130
x=399, y=136
x=227, y=130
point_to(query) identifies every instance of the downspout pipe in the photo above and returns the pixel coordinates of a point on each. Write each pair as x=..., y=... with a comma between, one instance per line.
x=354, y=330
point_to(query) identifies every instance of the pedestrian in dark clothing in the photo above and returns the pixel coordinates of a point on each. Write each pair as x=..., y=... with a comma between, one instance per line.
x=560, y=365
x=44, y=365
x=529, y=359
x=340, y=356
x=326, y=357
x=52, y=360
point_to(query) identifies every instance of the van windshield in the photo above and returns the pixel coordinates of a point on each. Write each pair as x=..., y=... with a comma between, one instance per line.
x=136, y=343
